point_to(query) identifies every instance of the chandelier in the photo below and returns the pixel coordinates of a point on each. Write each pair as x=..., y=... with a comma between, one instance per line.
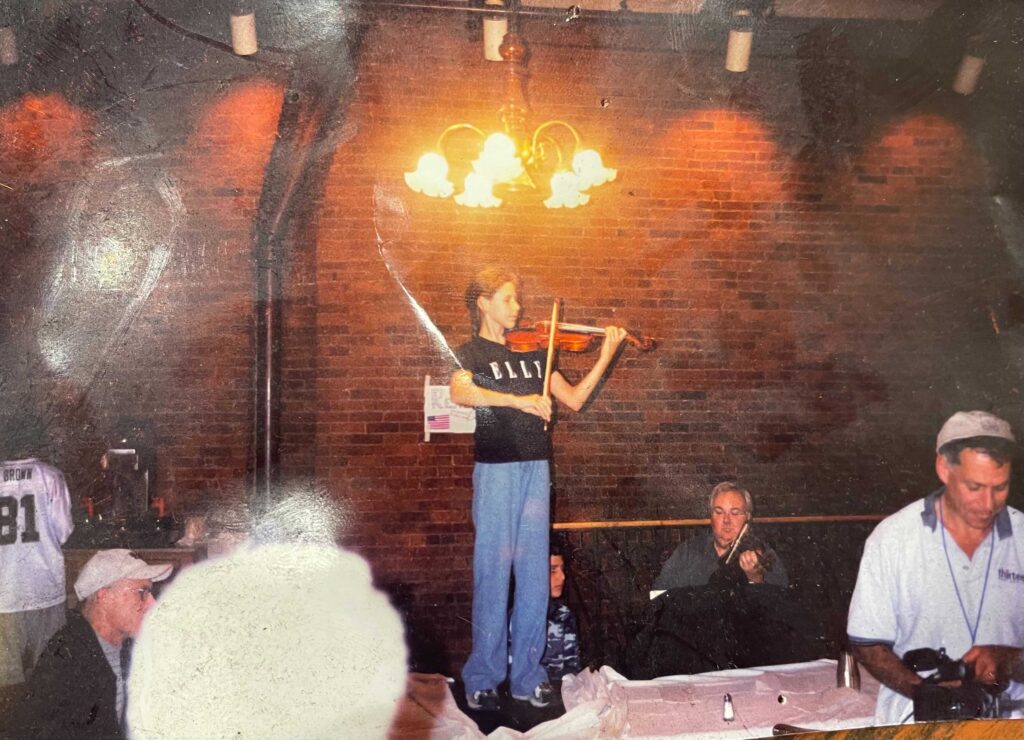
x=514, y=160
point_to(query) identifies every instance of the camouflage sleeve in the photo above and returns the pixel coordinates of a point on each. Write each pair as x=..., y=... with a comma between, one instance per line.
x=572, y=645
x=562, y=655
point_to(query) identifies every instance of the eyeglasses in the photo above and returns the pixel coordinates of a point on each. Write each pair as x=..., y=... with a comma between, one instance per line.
x=142, y=592
x=731, y=512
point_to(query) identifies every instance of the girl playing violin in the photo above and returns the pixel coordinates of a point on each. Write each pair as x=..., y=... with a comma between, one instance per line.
x=511, y=488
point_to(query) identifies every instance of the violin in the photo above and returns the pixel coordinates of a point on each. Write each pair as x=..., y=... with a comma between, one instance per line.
x=729, y=574
x=753, y=542
x=568, y=337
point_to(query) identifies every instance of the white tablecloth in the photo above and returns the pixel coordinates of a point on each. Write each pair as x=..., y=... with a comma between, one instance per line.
x=801, y=694
x=605, y=704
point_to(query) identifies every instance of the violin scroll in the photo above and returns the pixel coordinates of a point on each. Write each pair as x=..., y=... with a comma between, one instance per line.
x=641, y=342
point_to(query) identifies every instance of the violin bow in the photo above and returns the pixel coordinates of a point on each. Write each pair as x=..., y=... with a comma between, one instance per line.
x=765, y=563
x=551, y=353
x=736, y=543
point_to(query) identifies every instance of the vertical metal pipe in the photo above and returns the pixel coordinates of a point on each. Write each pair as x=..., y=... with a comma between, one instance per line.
x=284, y=170
x=311, y=114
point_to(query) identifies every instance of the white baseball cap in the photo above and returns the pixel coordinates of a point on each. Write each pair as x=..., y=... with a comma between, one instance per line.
x=967, y=424
x=108, y=566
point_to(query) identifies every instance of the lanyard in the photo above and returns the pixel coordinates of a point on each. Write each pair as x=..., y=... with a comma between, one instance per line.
x=988, y=568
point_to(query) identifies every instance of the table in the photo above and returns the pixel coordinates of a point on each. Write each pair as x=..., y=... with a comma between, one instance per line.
x=800, y=694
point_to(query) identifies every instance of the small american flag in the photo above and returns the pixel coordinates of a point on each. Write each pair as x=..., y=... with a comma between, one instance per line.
x=439, y=423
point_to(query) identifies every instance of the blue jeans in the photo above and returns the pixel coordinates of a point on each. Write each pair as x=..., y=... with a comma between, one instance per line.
x=511, y=505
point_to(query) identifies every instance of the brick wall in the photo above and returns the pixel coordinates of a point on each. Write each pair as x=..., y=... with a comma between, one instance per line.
x=138, y=265
x=815, y=323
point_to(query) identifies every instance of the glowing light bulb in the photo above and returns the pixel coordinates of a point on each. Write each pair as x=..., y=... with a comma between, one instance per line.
x=431, y=176
x=565, y=191
x=477, y=193
x=498, y=161
x=590, y=170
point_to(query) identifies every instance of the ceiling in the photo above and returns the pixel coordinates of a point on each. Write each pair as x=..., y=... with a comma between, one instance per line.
x=866, y=9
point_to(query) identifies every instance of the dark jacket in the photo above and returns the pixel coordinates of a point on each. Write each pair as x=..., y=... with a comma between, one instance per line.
x=72, y=692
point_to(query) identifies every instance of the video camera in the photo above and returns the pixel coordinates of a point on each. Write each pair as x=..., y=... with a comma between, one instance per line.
x=933, y=702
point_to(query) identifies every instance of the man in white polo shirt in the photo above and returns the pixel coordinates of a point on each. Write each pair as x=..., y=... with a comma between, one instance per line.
x=947, y=571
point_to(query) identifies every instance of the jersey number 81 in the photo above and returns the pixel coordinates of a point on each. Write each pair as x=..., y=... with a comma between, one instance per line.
x=9, y=520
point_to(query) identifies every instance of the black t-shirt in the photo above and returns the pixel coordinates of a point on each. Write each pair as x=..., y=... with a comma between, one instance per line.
x=506, y=434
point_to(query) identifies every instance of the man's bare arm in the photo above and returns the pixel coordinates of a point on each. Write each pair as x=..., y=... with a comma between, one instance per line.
x=883, y=664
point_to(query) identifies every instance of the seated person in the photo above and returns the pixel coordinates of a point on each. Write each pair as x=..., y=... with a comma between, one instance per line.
x=697, y=559
x=562, y=653
x=726, y=602
x=78, y=687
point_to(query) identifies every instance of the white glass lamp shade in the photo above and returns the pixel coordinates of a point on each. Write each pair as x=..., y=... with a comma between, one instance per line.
x=498, y=161
x=431, y=176
x=565, y=191
x=478, y=193
x=590, y=170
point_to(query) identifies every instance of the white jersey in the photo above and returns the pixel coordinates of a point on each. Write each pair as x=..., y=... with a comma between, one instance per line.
x=35, y=520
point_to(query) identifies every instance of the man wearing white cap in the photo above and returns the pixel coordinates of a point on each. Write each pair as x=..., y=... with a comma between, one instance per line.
x=77, y=689
x=947, y=571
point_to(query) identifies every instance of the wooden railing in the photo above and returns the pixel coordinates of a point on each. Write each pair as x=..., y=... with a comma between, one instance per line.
x=630, y=524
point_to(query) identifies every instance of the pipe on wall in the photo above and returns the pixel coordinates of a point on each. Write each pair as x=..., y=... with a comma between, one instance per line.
x=312, y=112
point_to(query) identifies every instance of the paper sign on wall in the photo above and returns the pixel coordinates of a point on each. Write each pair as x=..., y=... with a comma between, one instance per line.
x=442, y=415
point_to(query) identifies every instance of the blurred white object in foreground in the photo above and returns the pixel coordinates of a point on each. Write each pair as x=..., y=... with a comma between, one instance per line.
x=272, y=641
